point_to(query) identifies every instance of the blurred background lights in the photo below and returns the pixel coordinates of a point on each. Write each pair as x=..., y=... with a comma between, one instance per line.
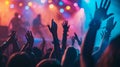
x=68, y=7
x=87, y=1
x=51, y=6
x=61, y=10
x=43, y=1
x=75, y=4
x=20, y=4
x=29, y=3
x=27, y=7
x=12, y=6
x=7, y=2
x=61, y=3
x=49, y=1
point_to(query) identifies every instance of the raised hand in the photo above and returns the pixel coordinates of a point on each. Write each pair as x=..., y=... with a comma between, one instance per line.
x=53, y=28
x=64, y=38
x=110, y=24
x=30, y=38
x=73, y=40
x=101, y=12
x=11, y=40
x=65, y=26
x=78, y=40
x=12, y=37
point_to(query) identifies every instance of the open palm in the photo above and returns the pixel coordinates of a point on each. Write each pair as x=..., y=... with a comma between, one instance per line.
x=101, y=12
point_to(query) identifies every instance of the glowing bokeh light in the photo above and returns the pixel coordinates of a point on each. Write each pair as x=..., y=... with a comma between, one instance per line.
x=68, y=7
x=50, y=1
x=61, y=3
x=51, y=6
x=75, y=4
x=20, y=4
x=27, y=7
x=29, y=3
x=87, y=1
x=12, y=6
x=61, y=10
x=7, y=2
x=43, y=1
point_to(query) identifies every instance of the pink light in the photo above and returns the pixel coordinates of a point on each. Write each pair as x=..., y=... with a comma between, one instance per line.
x=75, y=4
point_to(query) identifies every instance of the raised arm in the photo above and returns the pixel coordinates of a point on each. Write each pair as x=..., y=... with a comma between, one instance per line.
x=106, y=36
x=87, y=47
x=30, y=41
x=64, y=38
x=79, y=41
x=56, y=53
x=11, y=40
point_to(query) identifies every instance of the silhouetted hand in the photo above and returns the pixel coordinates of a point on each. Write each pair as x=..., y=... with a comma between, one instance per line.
x=101, y=12
x=53, y=28
x=65, y=26
x=73, y=40
x=12, y=38
x=110, y=24
x=30, y=38
x=78, y=40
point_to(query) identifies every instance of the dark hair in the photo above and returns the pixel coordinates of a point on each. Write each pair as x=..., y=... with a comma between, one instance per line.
x=19, y=60
x=69, y=57
x=49, y=63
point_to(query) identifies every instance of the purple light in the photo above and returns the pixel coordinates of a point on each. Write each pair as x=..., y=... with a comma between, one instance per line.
x=12, y=6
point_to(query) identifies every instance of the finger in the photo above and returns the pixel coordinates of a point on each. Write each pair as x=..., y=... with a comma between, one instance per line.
x=96, y=5
x=105, y=3
x=109, y=15
x=101, y=3
x=114, y=24
x=108, y=5
x=48, y=27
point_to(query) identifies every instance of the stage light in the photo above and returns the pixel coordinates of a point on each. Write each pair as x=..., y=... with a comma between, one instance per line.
x=12, y=6
x=20, y=4
x=27, y=7
x=7, y=2
x=61, y=10
x=49, y=1
x=51, y=6
x=61, y=3
x=75, y=4
x=43, y=1
x=68, y=7
x=29, y=3
x=87, y=1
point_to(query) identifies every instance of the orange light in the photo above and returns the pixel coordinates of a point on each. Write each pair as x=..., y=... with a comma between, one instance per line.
x=7, y=2
x=68, y=7
x=29, y=3
x=51, y=6
x=20, y=4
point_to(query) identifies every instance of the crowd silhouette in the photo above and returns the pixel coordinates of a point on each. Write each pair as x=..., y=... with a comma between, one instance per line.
x=107, y=55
